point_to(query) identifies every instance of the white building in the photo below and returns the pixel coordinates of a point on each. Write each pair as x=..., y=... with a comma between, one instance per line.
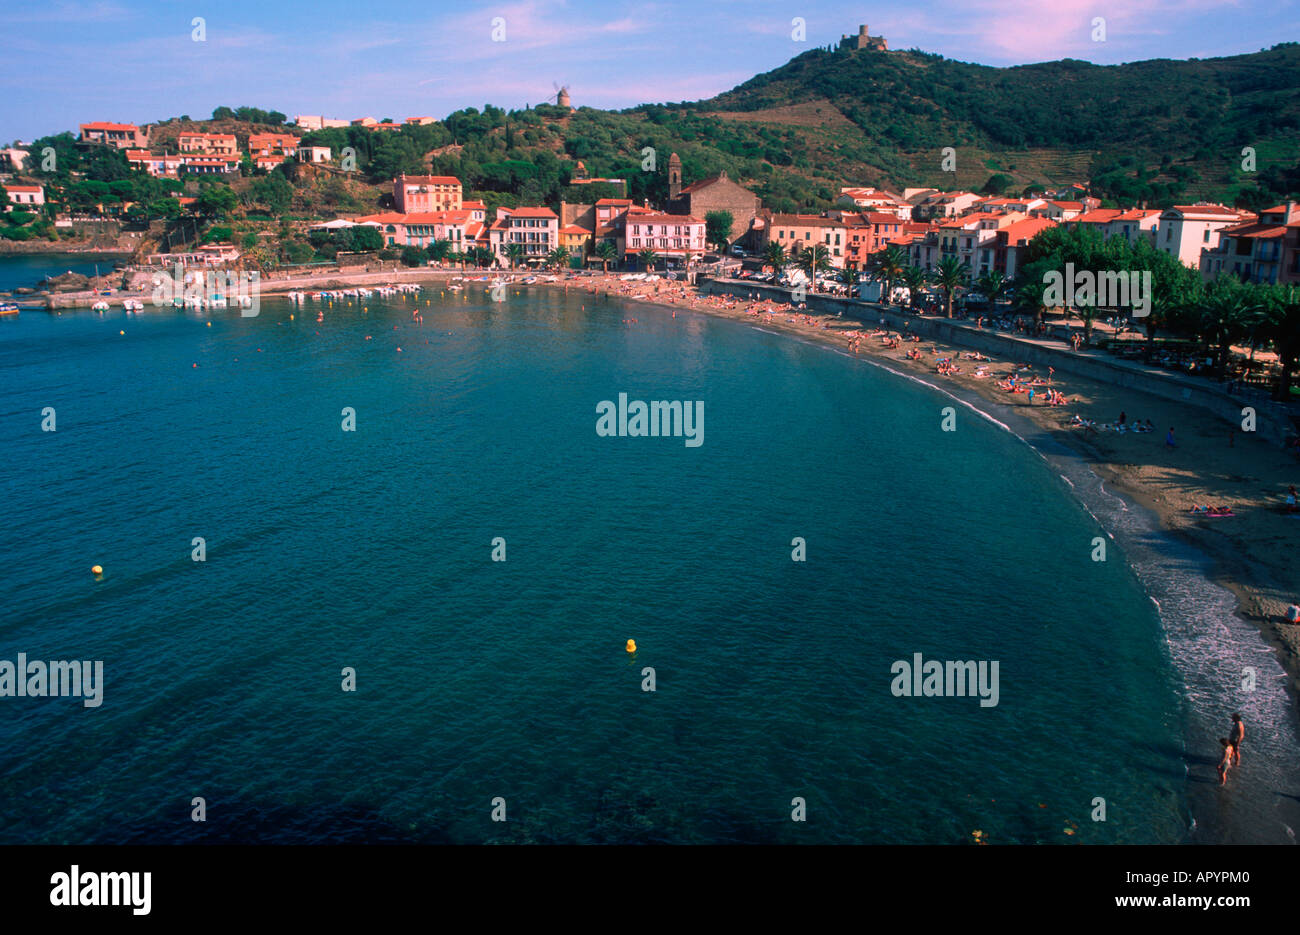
x=1184, y=230
x=313, y=154
x=25, y=195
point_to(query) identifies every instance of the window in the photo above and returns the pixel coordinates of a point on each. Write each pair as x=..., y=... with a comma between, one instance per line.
x=1206, y=238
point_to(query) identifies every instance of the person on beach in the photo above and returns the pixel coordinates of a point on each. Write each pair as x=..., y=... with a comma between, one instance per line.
x=1226, y=762
x=1237, y=735
x=1169, y=439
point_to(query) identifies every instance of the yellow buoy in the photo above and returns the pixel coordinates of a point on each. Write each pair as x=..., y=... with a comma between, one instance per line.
x=210, y=323
x=96, y=570
x=121, y=332
x=631, y=646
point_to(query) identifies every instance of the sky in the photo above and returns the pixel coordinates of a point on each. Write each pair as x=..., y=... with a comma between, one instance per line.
x=67, y=62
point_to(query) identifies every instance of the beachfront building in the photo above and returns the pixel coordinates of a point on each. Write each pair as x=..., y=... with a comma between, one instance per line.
x=313, y=154
x=208, y=144
x=1186, y=230
x=159, y=166
x=118, y=135
x=716, y=193
x=576, y=239
x=535, y=230
x=670, y=236
x=26, y=196
x=1254, y=250
x=415, y=194
x=868, y=233
x=799, y=232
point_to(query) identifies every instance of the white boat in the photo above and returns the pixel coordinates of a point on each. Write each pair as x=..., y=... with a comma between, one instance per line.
x=100, y=307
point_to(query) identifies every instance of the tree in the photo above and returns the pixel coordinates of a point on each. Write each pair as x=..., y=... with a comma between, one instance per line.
x=414, y=256
x=851, y=278
x=216, y=201
x=275, y=193
x=514, y=253
x=1226, y=308
x=647, y=258
x=998, y=183
x=816, y=259
x=440, y=250
x=1282, y=325
x=914, y=278
x=717, y=228
x=364, y=238
x=557, y=257
x=607, y=253
x=774, y=254
x=889, y=267
x=993, y=284
x=950, y=276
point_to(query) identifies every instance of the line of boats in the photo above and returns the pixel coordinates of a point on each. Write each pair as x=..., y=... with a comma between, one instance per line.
x=329, y=295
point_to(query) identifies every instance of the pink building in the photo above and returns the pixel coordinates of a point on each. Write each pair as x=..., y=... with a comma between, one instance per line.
x=668, y=235
x=414, y=194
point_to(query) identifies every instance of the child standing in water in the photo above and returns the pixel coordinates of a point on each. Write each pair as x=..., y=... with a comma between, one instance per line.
x=1226, y=763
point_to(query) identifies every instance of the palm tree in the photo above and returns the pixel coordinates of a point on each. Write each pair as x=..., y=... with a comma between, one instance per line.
x=851, y=278
x=514, y=253
x=914, y=278
x=607, y=252
x=889, y=267
x=557, y=257
x=816, y=259
x=950, y=276
x=774, y=255
x=647, y=258
x=993, y=284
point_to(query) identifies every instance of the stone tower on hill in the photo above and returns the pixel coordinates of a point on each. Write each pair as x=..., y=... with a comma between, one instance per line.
x=864, y=41
x=562, y=99
x=674, y=176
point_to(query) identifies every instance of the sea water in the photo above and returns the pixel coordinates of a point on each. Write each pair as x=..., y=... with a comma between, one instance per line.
x=504, y=688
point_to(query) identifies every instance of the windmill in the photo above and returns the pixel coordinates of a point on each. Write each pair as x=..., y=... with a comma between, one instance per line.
x=561, y=95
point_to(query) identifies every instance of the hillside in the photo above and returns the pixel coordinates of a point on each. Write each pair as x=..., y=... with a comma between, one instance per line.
x=1154, y=132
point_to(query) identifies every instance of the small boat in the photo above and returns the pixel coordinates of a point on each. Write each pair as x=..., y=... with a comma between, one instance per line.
x=133, y=305
x=99, y=307
x=8, y=308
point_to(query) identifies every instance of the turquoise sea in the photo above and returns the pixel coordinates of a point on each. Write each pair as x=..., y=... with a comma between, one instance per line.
x=478, y=679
